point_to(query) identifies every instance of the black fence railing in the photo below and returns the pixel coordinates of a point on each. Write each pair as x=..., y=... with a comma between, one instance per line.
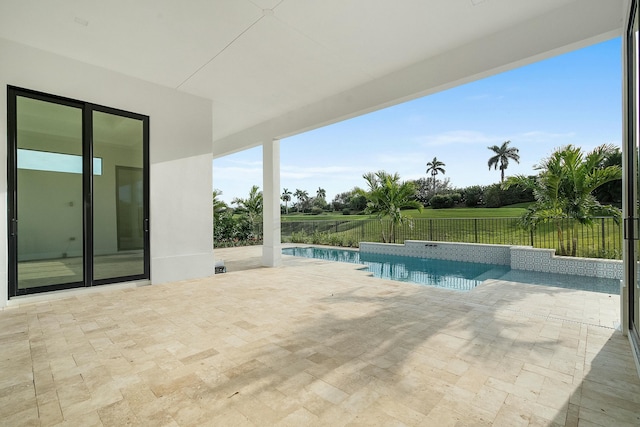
x=603, y=239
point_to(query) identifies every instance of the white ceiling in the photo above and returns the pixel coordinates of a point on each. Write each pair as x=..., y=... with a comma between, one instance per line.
x=276, y=67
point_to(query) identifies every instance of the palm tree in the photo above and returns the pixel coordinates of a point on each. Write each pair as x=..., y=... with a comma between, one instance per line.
x=302, y=197
x=564, y=192
x=321, y=193
x=435, y=167
x=219, y=206
x=503, y=154
x=252, y=205
x=387, y=196
x=286, y=198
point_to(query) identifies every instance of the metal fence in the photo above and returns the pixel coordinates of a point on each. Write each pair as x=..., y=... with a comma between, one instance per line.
x=601, y=240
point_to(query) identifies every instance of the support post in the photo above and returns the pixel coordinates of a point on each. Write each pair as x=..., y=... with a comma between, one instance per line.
x=271, y=247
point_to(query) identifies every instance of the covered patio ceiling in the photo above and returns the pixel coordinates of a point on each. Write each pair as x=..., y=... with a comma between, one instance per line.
x=274, y=68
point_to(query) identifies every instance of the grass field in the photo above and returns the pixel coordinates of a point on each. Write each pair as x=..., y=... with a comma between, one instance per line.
x=512, y=211
x=470, y=225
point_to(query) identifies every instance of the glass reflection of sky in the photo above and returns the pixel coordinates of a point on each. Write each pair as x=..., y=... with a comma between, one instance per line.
x=54, y=162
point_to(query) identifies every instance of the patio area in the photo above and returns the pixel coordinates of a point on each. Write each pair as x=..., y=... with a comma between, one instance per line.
x=316, y=343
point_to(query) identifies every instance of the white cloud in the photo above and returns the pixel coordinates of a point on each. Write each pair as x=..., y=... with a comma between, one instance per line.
x=297, y=172
x=542, y=136
x=459, y=137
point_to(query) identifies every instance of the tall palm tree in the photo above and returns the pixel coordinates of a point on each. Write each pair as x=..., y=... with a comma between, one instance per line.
x=321, y=193
x=564, y=192
x=286, y=198
x=434, y=167
x=387, y=196
x=302, y=197
x=503, y=154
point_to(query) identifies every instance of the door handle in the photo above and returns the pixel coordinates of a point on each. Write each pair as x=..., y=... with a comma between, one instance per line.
x=146, y=225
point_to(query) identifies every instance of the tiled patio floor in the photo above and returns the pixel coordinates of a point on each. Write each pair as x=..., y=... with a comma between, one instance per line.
x=316, y=343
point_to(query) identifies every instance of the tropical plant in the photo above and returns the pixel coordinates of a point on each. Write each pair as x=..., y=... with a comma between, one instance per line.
x=252, y=205
x=434, y=167
x=611, y=192
x=503, y=154
x=233, y=227
x=387, y=196
x=564, y=192
x=286, y=198
x=321, y=193
x=219, y=206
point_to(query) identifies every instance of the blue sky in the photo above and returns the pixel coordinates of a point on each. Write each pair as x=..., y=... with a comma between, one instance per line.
x=569, y=99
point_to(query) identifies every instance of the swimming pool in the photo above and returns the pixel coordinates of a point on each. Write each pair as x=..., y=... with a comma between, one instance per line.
x=457, y=275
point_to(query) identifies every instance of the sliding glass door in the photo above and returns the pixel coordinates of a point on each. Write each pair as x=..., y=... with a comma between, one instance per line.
x=119, y=203
x=78, y=194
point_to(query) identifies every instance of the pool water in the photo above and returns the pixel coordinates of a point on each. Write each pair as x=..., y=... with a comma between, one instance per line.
x=457, y=275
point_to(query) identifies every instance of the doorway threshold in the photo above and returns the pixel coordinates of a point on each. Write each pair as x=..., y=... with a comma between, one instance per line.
x=21, y=300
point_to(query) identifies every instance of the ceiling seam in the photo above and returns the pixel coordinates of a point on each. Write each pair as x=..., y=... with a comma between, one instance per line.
x=220, y=52
x=226, y=47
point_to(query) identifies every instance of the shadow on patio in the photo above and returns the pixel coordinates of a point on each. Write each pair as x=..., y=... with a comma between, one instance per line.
x=315, y=343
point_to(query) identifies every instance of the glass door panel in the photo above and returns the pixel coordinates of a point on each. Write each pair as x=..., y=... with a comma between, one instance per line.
x=631, y=195
x=78, y=193
x=633, y=134
x=118, y=195
x=49, y=194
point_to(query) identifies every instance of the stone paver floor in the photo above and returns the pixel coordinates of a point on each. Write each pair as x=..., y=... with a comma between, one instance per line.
x=316, y=343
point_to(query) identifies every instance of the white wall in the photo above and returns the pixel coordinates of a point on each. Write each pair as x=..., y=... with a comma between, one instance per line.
x=180, y=153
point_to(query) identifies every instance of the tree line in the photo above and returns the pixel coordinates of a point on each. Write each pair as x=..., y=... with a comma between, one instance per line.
x=569, y=185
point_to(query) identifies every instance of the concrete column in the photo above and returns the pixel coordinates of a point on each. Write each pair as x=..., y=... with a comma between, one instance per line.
x=271, y=248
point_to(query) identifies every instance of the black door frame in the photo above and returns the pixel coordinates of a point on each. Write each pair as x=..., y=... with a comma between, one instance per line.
x=632, y=221
x=13, y=93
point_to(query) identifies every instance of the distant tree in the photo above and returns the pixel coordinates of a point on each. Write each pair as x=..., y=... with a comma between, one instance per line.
x=352, y=200
x=426, y=188
x=321, y=193
x=503, y=154
x=434, y=167
x=358, y=201
x=302, y=196
x=286, y=198
x=473, y=196
x=340, y=201
x=387, y=197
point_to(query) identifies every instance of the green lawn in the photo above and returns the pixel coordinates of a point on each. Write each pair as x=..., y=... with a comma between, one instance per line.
x=473, y=225
x=512, y=211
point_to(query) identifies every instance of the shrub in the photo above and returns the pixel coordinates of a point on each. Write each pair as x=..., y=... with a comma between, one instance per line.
x=346, y=211
x=473, y=196
x=441, y=201
x=316, y=210
x=335, y=240
x=493, y=196
x=299, y=237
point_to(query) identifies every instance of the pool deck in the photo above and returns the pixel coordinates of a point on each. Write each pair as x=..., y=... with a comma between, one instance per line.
x=316, y=343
